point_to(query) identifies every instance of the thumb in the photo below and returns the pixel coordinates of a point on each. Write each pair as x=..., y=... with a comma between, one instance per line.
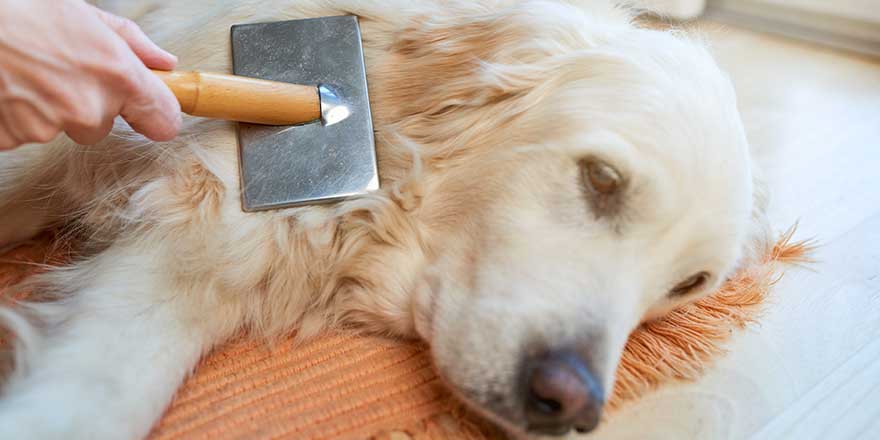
x=150, y=54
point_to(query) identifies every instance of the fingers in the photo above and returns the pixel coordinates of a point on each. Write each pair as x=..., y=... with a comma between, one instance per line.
x=85, y=135
x=82, y=86
x=152, y=110
x=7, y=142
x=22, y=123
x=149, y=107
x=150, y=54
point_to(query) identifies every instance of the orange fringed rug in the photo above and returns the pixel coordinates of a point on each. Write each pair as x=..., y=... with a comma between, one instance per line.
x=341, y=386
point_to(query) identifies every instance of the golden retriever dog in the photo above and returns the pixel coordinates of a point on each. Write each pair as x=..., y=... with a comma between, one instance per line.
x=552, y=175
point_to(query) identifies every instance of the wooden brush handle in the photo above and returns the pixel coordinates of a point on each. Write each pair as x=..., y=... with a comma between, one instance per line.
x=239, y=98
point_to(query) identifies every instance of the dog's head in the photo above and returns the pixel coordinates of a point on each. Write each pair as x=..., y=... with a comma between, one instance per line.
x=582, y=176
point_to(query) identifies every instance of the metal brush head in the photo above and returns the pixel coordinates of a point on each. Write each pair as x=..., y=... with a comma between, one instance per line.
x=318, y=162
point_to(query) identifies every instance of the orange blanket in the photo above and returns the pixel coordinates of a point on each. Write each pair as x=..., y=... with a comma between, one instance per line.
x=341, y=386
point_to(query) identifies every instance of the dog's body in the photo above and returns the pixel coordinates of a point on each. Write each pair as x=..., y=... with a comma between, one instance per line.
x=550, y=174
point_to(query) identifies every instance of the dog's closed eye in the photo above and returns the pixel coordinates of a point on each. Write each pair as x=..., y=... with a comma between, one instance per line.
x=603, y=185
x=689, y=285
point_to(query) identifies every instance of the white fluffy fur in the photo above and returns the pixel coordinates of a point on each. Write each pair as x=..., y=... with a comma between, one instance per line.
x=482, y=240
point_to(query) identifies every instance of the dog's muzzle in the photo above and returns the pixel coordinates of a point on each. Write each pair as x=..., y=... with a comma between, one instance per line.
x=561, y=393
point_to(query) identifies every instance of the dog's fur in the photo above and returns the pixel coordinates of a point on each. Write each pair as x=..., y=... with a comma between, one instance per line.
x=485, y=240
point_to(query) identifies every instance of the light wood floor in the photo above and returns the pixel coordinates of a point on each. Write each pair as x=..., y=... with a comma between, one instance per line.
x=811, y=370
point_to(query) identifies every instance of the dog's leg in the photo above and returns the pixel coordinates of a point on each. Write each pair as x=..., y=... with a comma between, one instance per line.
x=112, y=353
x=19, y=223
x=25, y=193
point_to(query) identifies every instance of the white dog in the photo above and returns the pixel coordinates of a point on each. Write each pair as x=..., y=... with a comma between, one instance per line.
x=552, y=176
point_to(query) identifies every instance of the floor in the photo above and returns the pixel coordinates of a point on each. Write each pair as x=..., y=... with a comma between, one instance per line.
x=811, y=370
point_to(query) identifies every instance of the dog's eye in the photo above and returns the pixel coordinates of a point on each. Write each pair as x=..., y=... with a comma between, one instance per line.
x=603, y=185
x=601, y=177
x=689, y=285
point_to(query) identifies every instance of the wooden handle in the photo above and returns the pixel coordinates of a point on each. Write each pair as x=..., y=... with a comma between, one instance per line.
x=239, y=98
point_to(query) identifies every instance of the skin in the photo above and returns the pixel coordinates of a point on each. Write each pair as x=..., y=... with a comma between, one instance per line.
x=75, y=69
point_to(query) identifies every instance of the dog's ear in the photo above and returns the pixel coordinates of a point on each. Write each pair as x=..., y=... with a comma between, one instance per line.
x=438, y=67
x=474, y=55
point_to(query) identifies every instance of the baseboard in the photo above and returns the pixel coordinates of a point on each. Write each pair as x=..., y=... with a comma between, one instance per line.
x=834, y=31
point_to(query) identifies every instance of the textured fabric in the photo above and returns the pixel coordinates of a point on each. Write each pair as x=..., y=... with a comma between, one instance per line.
x=338, y=386
x=342, y=386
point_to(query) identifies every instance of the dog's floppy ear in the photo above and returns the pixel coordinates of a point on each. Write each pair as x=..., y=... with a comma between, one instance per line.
x=471, y=55
x=438, y=64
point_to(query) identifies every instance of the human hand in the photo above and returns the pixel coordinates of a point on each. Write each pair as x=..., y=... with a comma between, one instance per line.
x=68, y=66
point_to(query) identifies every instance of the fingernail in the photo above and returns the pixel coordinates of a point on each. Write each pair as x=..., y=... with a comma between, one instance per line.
x=168, y=55
x=172, y=57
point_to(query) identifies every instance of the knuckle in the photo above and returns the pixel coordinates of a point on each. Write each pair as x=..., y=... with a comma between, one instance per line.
x=116, y=22
x=122, y=76
x=83, y=108
x=125, y=26
x=128, y=25
x=88, y=117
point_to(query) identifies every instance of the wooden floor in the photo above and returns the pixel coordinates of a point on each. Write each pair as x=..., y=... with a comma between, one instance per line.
x=811, y=370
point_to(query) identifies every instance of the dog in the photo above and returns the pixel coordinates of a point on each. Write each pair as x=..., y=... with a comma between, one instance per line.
x=553, y=175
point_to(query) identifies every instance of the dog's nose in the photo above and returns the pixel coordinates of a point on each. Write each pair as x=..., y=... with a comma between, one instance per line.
x=562, y=393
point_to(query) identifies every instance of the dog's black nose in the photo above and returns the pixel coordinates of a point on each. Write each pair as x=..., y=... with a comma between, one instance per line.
x=562, y=393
